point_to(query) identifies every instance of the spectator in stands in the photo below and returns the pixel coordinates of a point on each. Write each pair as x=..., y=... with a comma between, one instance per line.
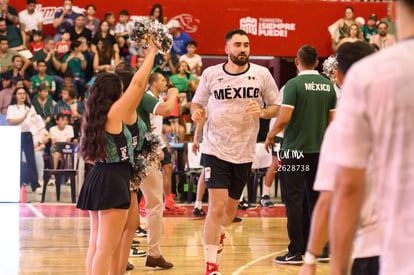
x=165, y=63
x=44, y=105
x=79, y=30
x=8, y=13
x=71, y=107
x=69, y=81
x=64, y=19
x=63, y=45
x=30, y=21
x=75, y=61
x=122, y=32
x=180, y=39
x=137, y=60
x=17, y=71
x=353, y=35
x=156, y=13
x=49, y=54
x=14, y=35
x=390, y=20
x=37, y=44
x=42, y=78
x=19, y=113
x=5, y=98
x=91, y=23
x=383, y=39
x=110, y=18
x=105, y=57
x=61, y=132
x=104, y=35
x=193, y=59
x=340, y=28
x=370, y=28
x=185, y=84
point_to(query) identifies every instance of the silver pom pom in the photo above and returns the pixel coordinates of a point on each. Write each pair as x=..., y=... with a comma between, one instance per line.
x=140, y=168
x=329, y=65
x=144, y=27
x=150, y=147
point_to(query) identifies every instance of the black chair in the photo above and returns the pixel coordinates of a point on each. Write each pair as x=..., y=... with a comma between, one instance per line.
x=67, y=169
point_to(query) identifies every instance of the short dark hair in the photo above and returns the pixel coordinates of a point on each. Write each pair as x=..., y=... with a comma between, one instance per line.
x=192, y=42
x=75, y=44
x=47, y=39
x=41, y=61
x=350, y=52
x=307, y=55
x=90, y=6
x=230, y=34
x=108, y=14
x=351, y=8
x=383, y=22
x=31, y=2
x=124, y=12
x=3, y=38
x=2, y=19
x=68, y=73
x=16, y=56
x=71, y=91
x=154, y=77
x=61, y=115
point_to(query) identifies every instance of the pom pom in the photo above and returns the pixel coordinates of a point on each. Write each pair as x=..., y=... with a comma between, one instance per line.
x=144, y=27
x=140, y=171
x=150, y=147
x=329, y=65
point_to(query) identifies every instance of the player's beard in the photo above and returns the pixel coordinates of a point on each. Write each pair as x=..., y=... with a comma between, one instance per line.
x=239, y=60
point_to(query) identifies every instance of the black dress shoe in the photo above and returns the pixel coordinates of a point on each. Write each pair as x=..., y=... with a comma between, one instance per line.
x=129, y=266
x=158, y=262
x=35, y=186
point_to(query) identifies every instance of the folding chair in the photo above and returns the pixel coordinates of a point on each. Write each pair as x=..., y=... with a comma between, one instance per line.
x=67, y=169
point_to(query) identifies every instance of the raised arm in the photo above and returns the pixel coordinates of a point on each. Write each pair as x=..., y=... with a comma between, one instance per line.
x=166, y=108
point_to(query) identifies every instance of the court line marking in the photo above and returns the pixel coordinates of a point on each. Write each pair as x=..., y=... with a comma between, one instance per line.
x=243, y=267
x=35, y=211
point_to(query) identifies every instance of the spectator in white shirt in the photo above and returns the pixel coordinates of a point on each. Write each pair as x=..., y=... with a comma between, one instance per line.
x=62, y=132
x=30, y=20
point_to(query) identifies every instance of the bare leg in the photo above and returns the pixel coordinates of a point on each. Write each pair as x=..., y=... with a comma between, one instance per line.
x=201, y=186
x=111, y=225
x=167, y=173
x=93, y=236
x=230, y=212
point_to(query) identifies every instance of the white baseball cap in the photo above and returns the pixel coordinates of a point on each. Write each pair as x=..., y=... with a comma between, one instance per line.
x=173, y=24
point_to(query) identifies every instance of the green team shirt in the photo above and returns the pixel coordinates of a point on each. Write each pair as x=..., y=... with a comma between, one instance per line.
x=146, y=107
x=367, y=32
x=181, y=83
x=312, y=96
x=36, y=82
x=41, y=55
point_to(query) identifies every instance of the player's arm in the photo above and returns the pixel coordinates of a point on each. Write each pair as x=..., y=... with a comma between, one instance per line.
x=280, y=124
x=346, y=207
x=270, y=111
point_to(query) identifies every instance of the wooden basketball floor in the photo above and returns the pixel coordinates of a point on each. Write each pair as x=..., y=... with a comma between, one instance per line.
x=53, y=239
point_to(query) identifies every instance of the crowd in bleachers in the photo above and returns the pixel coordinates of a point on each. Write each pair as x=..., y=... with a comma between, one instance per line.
x=56, y=72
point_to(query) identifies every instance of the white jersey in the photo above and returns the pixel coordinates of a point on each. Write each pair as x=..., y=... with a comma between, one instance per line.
x=375, y=117
x=157, y=121
x=230, y=133
x=367, y=239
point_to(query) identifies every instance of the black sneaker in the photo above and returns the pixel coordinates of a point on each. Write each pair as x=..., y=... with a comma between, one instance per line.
x=292, y=259
x=265, y=201
x=129, y=266
x=134, y=252
x=135, y=243
x=324, y=258
x=140, y=233
x=199, y=213
x=243, y=204
x=237, y=219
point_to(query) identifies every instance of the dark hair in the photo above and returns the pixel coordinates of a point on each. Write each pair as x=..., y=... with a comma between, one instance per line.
x=106, y=52
x=16, y=56
x=39, y=33
x=3, y=38
x=124, y=66
x=71, y=91
x=61, y=115
x=90, y=5
x=154, y=77
x=41, y=61
x=30, y=2
x=75, y=44
x=126, y=73
x=47, y=39
x=103, y=93
x=43, y=86
x=192, y=42
x=230, y=34
x=14, y=100
x=160, y=18
x=307, y=55
x=99, y=32
x=2, y=19
x=349, y=53
x=124, y=12
x=108, y=14
x=352, y=9
x=348, y=33
x=409, y=3
x=383, y=22
x=68, y=73
x=14, y=80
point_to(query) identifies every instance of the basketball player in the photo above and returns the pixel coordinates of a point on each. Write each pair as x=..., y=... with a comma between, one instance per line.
x=374, y=117
x=234, y=93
